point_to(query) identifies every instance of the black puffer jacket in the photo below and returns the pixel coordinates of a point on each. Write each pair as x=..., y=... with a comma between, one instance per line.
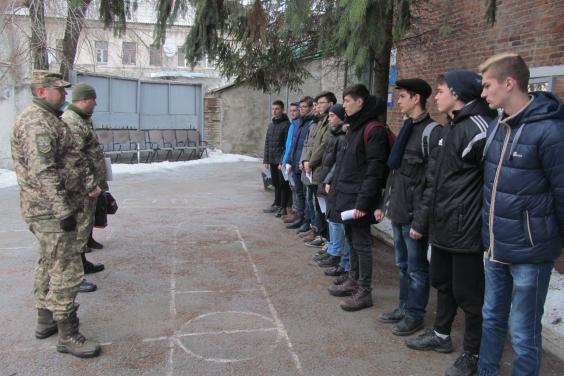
x=275, y=140
x=361, y=170
x=453, y=192
x=335, y=138
x=406, y=184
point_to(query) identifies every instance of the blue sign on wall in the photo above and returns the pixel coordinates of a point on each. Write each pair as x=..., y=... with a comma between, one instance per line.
x=392, y=76
x=390, y=99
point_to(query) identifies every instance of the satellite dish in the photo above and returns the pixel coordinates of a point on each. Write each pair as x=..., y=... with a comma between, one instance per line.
x=170, y=48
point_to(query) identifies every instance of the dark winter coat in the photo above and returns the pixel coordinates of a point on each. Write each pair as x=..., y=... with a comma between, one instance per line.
x=523, y=214
x=404, y=190
x=453, y=191
x=361, y=170
x=275, y=140
x=301, y=132
x=335, y=138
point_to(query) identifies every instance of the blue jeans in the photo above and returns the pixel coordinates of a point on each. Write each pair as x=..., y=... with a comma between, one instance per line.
x=514, y=294
x=411, y=259
x=299, y=189
x=338, y=244
x=310, y=212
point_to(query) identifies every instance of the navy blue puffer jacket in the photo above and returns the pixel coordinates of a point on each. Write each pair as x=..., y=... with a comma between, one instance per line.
x=523, y=213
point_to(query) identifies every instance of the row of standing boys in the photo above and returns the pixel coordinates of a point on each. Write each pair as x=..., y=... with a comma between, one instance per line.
x=485, y=191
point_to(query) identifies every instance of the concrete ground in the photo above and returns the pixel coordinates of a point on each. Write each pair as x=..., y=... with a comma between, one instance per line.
x=199, y=281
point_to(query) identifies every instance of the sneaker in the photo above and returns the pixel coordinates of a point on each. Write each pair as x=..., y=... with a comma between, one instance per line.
x=430, y=341
x=392, y=317
x=321, y=256
x=360, y=299
x=318, y=242
x=407, y=327
x=465, y=365
x=325, y=247
x=271, y=209
x=280, y=212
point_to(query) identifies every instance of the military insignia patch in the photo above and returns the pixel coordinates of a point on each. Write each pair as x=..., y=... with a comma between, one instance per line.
x=43, y=143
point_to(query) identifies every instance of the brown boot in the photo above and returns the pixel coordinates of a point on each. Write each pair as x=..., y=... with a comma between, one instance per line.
x=360, y=299
x=344, y=289
x=46, y=326
x=307, y=233
x=290, y=218
x=72, y=341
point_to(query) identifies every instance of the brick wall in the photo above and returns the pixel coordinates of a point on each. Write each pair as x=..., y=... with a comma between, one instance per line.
x=534, y=29
x=212, y=121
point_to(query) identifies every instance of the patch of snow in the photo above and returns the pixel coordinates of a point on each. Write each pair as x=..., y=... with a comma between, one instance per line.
x=7, y=178
x=554, y=306
x=215, y=156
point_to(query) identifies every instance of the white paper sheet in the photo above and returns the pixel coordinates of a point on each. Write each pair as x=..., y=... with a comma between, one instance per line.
x=347, y=215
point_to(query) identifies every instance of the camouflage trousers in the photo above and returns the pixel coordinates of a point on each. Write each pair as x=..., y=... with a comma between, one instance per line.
x=59, y=268
x=85, y=223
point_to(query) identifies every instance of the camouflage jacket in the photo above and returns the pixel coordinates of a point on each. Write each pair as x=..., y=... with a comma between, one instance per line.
x=82, y=129
x=47, y=164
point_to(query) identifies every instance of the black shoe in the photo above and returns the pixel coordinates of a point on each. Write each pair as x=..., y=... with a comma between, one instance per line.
x=87, y=249
x=334, y=271
x=280, y=212
x=392, y=317
x=465, y=365
x=321, y=256
x=296, y=224
x=86, y=286
x=271, y=209
x=303, y=228
x=330, y=261
x=407, y=327
x=430, y=341
x=93, y=244
x=90, y=268
x=341, y=279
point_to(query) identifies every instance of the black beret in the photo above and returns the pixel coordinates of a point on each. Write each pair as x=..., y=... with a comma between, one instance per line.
x=416, y=85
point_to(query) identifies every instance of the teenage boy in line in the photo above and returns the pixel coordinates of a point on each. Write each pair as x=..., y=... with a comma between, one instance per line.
x=360, y=177
x=312, y=160
x=300, y=134
x=295, y=118
x=523, y=227
x=274, y=144
x=402, y=204
x=453, y=201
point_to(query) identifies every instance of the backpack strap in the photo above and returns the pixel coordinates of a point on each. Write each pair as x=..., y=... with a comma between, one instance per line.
x=369, y=127
x=425, y=147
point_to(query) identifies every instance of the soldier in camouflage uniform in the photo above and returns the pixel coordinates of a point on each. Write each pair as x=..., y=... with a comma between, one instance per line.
x=78, y=118
x=52, y=181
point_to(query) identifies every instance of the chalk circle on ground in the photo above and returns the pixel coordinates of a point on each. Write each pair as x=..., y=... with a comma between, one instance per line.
x=228, y=337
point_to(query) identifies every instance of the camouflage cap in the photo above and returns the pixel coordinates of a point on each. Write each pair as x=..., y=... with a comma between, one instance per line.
x=43, y=77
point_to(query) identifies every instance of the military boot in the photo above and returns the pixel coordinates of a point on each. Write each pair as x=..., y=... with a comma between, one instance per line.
x=72, y=341
x=46, y=326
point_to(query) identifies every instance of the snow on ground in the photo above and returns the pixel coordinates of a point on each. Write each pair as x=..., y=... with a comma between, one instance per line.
x=215, y=156
x=8, y=178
